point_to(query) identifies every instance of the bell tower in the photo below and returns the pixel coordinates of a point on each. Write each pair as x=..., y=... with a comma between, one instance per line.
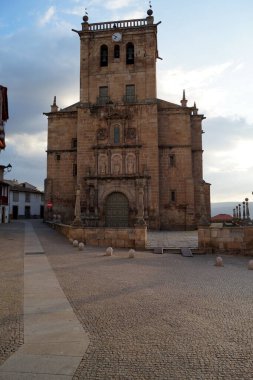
x=118, y=61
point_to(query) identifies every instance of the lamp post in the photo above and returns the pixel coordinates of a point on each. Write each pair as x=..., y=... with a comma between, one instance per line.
x=8, y=168
x=247, y=208
x=243, y=210
x=239, y=215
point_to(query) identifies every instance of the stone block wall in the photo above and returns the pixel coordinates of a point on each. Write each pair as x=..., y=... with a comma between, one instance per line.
x=234, y=240
x=104, y=237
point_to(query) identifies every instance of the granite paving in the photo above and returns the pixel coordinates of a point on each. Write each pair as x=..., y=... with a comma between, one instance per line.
x=156, y=316
x=11, y=288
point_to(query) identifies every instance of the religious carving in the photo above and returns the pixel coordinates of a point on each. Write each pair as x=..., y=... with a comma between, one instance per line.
x=102, y=164
x=102, y=134
x=131, y=163
x=131, y=133
x=116, y=164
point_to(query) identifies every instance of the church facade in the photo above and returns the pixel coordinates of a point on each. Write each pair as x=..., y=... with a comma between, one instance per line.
x=135, y=159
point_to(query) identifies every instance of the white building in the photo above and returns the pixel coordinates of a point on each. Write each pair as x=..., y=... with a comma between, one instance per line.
x=26, y=201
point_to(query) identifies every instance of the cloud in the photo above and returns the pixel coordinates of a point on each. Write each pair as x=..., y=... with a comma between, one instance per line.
x=117, y=4
x=228, y=157
x=48, y=15
x=27, y=145
x=220, y=90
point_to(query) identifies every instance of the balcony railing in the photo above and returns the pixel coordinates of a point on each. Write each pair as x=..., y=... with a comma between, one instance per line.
x=102, y=100
x=129, y=99
x=118, y=24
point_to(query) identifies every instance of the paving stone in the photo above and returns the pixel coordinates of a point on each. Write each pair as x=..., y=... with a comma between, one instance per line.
x=158, y=316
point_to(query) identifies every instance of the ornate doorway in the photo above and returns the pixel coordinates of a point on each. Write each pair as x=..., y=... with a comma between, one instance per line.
x=116, y=210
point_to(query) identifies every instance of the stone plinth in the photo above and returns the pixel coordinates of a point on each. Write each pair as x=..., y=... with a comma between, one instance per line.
x=135, y=237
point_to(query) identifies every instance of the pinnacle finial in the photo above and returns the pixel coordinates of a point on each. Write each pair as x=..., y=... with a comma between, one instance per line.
x=54, y=107
x=150, y=12
x=184, y=101
x=195, y=109
x=85, y=17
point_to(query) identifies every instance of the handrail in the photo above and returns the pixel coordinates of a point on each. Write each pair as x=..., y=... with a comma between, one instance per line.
x=118, y=24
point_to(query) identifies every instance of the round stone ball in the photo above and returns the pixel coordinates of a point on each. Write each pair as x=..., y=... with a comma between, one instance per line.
x=71, y=241
x=219, y=262
x=131, y=253
x=250, y=265
x=81, y=246
x=75, y=243
x=109, y=251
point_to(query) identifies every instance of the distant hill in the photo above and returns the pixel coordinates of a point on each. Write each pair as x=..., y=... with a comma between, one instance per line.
x=227, y=208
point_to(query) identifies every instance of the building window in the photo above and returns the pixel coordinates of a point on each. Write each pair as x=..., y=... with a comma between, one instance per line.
x=116, y=135
x=15, y=196
x=27, y=197
x=129, y=53
x=42, y=197
x=172, y=160
x=116, y=51
x=173, y=195
x=74, y=170
x=58, y=157
x=103, y=97
x=130, y=93
x=74, y=143
x=103, y=56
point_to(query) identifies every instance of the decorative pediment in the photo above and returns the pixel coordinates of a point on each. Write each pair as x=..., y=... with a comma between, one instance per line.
x=114, y=114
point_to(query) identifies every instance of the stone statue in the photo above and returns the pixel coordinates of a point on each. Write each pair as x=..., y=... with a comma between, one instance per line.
x=77, y=221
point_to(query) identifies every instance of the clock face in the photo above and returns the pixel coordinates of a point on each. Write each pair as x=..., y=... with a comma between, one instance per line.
x=116, y=37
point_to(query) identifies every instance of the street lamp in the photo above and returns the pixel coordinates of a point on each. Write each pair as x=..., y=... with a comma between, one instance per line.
x=8, y=168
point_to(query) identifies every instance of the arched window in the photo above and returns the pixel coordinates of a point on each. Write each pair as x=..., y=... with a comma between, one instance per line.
x=129, y=53
x=103, y=55
x=116, y=135
x=116, y=51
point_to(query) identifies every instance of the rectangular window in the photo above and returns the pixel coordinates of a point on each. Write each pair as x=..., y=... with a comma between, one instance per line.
x=173, y=195
x=74, y=143
x=74, y=169
x=172, y=160
x=116, y=135
x=130, y=93
x=103, y=97
x=42, y=197
x=15, y=196
x=58, y=157
x=27, y=197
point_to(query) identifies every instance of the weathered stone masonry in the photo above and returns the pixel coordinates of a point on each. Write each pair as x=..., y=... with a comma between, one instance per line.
x=136, y=158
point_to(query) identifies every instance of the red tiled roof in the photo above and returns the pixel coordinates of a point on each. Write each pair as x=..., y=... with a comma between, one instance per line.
x=222, y=217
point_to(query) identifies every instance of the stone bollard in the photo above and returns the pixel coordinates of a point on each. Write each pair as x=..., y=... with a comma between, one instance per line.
x=131, y=253
x=75, y=243
x=81, y=246
x=250, y=265
x=109, y=251
x=219, y=262
x=71, y=241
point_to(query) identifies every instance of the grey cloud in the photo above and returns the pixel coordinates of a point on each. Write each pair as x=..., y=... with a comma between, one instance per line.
x=221, y=133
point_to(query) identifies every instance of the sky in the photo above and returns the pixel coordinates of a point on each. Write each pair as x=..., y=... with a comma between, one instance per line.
x=206, y=49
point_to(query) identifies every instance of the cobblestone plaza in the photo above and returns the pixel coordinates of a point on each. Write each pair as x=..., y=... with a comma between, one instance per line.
x=151, y=317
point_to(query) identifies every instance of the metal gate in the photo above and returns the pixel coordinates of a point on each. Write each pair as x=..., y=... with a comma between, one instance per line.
x=116, y=210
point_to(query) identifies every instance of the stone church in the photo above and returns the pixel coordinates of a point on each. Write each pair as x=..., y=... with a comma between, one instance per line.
x=135, y=159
